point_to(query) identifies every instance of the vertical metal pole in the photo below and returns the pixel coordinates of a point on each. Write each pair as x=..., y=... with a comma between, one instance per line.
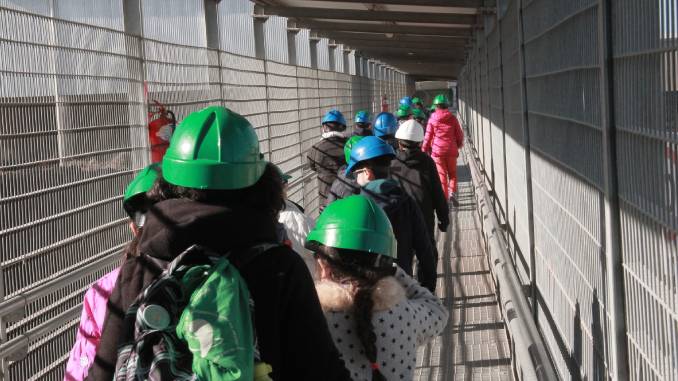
x=503, y=115
x=489, y=112
x=260, y=51
x=332, y=54
x=213, y=38
x=313, y=40
x=292, y=32
x=135, y=49
x=613, y=256
x=528, y=163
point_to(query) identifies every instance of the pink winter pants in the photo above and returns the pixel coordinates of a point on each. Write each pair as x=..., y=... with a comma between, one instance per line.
x=447, y=171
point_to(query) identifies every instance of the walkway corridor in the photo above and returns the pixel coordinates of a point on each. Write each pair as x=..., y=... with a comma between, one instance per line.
x=474, y=345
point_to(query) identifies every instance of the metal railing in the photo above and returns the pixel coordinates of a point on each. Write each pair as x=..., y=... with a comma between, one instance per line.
x=73, y=104
x=529, y=356
x=571, y=106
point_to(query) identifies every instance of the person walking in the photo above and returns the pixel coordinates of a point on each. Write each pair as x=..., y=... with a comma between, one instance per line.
x=219, y=194
x=377, y=314
x=326, y=156
x=371, y=163
x=417, y=174
x=94, y=306
x=444, y=137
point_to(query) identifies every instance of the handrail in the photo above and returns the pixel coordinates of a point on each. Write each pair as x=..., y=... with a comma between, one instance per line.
x=12, y=309
x=530, y=357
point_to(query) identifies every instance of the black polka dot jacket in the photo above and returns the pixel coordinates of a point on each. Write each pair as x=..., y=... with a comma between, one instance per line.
x=406, y=315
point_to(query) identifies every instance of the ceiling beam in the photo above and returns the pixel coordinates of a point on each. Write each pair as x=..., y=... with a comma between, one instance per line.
x=393, y=58
x=386, y=28
x=350, y=14
x=397, y=38
x=437, y=52
x=425, y=3
x=433, y=45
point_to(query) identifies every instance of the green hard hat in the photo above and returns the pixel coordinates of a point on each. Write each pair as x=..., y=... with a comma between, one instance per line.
x=134, y=201
x=403, y=112
x=142, y=182
x=440, y=99
x=349, y=144
x=432, y=108
x=416, y=100
x=418, y=113
x=214, y=148
x=354, y=223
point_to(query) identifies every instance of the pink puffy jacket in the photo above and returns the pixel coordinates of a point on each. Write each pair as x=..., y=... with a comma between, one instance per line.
x=443, y=136
x=91, y=323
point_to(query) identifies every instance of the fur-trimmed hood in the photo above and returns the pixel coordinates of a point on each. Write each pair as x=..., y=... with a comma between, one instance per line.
x=337, y=297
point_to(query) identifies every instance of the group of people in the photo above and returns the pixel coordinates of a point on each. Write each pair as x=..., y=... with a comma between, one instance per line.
x=227, y=279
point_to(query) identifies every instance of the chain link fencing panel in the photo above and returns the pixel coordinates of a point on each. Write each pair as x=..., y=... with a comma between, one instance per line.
x=73, y=111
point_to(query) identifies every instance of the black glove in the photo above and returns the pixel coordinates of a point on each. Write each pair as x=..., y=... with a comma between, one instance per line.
x=442, y=225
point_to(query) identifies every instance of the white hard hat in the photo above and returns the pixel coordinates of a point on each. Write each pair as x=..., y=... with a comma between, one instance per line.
x=410, y=130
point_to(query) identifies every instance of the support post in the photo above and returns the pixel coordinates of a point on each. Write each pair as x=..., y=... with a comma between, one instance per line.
x=614, y=302
x=347, y=62
x=134, y=49
x=259, y=32
x=313, y=40
x=292, y=32
x=213, y=38
x=260, y=52
x=528, y=163
x=503, y=116
x=332, y=53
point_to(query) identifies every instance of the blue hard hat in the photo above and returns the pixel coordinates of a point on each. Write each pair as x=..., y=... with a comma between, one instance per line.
x=385, y=124
x=362, y=117
x=334, y=116
x=406, y=101
x=369, y=147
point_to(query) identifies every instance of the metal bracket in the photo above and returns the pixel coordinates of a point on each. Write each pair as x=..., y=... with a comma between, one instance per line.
x=259, y=13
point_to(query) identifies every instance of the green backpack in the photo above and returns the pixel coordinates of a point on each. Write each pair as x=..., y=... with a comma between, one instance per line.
x=194, y=322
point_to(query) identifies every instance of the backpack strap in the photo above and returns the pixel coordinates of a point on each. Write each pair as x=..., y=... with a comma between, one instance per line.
x=241, y=258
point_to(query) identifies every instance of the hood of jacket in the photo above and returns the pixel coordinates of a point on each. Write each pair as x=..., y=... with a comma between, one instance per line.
x=338, y=297
x=387, y=193
x=411, y=157
x=442, y=116
x=174, y=225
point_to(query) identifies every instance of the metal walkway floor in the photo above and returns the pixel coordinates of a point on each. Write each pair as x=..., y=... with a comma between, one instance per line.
x=473, y=345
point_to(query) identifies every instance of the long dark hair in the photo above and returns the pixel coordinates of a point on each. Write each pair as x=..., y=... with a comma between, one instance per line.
x=359, y=268
x=265, y=195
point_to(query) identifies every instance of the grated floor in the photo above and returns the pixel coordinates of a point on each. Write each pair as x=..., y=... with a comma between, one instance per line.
x=473, y=345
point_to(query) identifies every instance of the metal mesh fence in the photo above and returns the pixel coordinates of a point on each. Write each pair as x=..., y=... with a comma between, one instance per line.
x=646, y=76
x=545, y=90
x=73, y=104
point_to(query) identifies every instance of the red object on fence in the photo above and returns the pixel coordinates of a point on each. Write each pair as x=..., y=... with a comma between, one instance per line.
x=161, y=124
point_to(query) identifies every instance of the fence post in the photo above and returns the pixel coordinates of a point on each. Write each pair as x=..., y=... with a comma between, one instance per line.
x=612, y=241
x=260, y=52
x=489, y=113
x=528, y=163
x=503, y=112
x=213, y=39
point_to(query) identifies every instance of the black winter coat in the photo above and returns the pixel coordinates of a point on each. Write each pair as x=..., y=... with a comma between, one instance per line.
x=291, y=328
x=343, y=186
x=408, y=227
x=417, y=174
x=325, y=158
